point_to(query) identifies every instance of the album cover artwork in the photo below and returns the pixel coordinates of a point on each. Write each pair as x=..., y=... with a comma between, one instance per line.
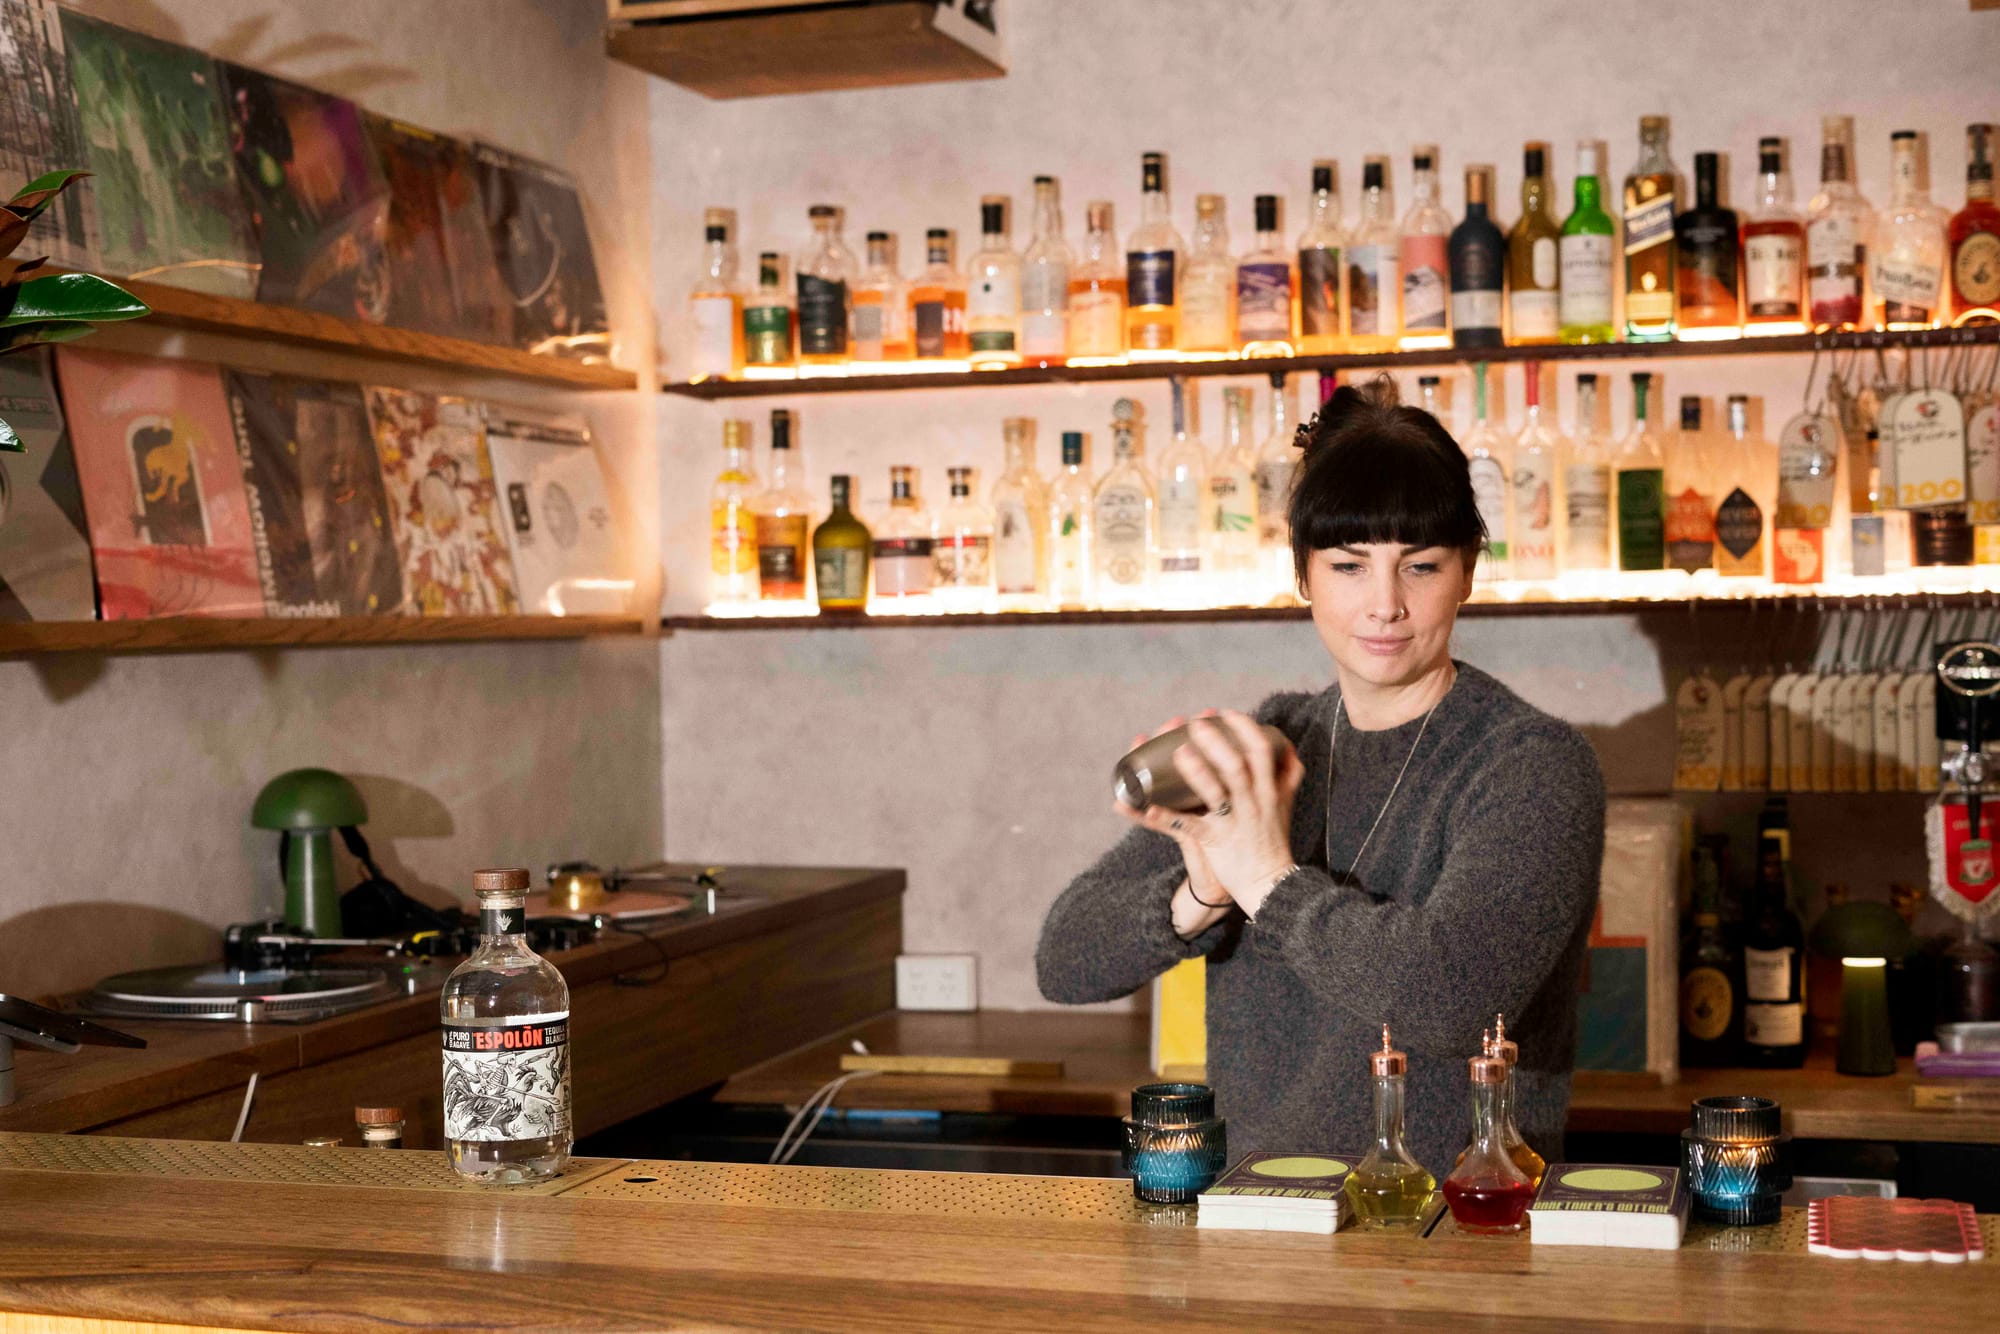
x=44, y=539
x=316, y=194
x=164, y=189
x=442, y=276
x=535, y=221
x=557, y=514
x=321, y=519
x=169, y=528
x=39, y=131
x=442, y=503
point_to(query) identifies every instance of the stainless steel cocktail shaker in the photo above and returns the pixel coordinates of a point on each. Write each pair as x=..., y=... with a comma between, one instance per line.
x=1148, y=776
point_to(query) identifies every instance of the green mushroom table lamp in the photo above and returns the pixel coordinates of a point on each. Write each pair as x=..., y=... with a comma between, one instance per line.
x=1864, y=937
x=305, y=806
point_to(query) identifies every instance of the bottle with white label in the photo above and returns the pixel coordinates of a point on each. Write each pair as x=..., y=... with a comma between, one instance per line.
x=1182, y=481
x=1774, y=998
x=881, y=307
x=1153, y=257
x=1585, y=258
x=962, y=550
x=1535, y=496
x=1424, y=255
x=900, y=560
x=1532, y=276
x=1045, y=282
x=1374, y=266
x=1231, y=513
x=1265, y=285
x=1020, y=523
x=993, y=290
x=1774, y=250
x=715, y=306
x=1486, y=458
x=1072, y=525
x=1122, y=507
x=505, y=1022
x=1587, y=486
x=1907, y=267
x=1277, y=460
x=1840, y=228
x=1208, y=288
x=1478, y=267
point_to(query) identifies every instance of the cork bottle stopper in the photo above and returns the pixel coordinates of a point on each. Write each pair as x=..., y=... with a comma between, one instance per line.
x=377, y=1116
x=1507, y=1050
x=506, y=879
x=1387, y=1061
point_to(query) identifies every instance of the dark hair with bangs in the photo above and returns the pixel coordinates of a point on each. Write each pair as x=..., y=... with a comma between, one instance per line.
x=1375, y=471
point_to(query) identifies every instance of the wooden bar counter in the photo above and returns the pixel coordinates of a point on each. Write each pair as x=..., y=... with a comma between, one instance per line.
x=105, y=1233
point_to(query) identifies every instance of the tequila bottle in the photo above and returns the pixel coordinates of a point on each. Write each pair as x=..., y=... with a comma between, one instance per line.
x=962, y=550
x=1641, y=487
x=881, y=310
x=1389, y=1188
x=1652, y=195
x=1533, y=279
x=1492, y=481
x=1208, y=289
x=715, y=305
x=1265, y=287
x=1907, y=270
x=1232, y=504
x=1322, y=247
x=1020, y=523
x=937, y=303
x=1536, y=494
x=767, y=319
x=732, y=527
x=1423, y=249
x=1122, y=512
x=1584, y=258
x=1374, y=266
x=1182, y=483
x=1774, y=250
x=1277, y=459
x=1587, y=487
x=825, y=280
x=900, y=557
x=505, y=1019
x=1153, y=257
x=993, y=290
x=1097, y=291
x=1045, y=278
x=1071, y=527
x=1840, y=228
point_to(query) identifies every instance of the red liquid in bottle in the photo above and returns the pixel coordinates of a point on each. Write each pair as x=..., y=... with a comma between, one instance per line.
x=1487, y=1205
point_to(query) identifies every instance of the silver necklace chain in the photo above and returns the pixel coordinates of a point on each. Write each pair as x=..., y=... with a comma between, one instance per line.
x=1332, y=745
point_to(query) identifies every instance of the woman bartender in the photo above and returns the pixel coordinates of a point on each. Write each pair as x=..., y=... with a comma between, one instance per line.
x=1425, y=852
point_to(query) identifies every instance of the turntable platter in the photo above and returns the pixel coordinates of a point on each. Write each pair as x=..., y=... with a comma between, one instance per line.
x=215, y=991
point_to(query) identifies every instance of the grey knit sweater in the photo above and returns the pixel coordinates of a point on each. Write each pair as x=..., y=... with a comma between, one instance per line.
x=1475, y=896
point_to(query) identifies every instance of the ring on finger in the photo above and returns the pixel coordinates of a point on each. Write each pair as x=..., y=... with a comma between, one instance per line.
x=1225, y=808
x=1174, y=825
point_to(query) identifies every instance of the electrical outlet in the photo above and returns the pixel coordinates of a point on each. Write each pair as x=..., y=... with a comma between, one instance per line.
x=937, y=982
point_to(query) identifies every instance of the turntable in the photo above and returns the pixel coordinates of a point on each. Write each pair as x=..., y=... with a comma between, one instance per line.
x=248, y=995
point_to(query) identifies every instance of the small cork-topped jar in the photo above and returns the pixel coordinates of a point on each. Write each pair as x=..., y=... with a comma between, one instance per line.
x=380, y=1127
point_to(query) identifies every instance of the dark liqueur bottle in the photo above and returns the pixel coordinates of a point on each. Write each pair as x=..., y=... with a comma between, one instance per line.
x=1711, y=974
x=1478, y=257
x=1706, y=249
x=1774, y=978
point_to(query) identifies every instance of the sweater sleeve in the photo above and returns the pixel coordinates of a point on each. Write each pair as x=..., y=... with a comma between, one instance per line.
x=1520, y=878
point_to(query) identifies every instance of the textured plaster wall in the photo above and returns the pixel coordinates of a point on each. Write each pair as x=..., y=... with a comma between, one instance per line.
x=978, y=758
x=126, y=782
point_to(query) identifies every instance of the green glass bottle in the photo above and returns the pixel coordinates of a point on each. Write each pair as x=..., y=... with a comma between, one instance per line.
x=1642, y=490
x=840, y=555
x=1587, y=262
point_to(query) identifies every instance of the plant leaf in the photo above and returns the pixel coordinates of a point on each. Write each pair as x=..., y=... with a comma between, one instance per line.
x=21, y=337
x=39, y=193
x=68, y=296
x=9, y=442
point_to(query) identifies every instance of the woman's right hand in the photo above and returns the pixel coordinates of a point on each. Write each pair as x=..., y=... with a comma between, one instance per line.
x=1201, y=881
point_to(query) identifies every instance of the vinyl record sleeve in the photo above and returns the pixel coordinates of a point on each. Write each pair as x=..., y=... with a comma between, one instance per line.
x=557, y=515
x=542, y=247
x=39, y=132
x=442, y=274
x=169, y=528
x=442, y=503
x=44, y=538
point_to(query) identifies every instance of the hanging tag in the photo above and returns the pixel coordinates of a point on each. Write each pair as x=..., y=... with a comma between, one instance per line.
x=1825, y=732
x=1930, y=450
x=1808, y=454
x=1698, y=735
x=1857, y=736
x=1780, y=733
x=1927, y=737
x=1801, y=741
x=1732, y=733
x=1798, y=555
x=1982, y=460
x=1888, y=773
x=1907, y=723
x=1757, y=733
x=1885, y=434
x=1870, y=545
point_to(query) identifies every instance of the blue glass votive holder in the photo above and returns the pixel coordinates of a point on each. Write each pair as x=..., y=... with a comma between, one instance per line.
x=1734, y=1158
x=1175, y=1144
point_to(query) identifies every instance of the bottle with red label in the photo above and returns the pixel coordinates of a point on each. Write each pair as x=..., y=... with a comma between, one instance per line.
x=505, y=1014
x=1974, y=236
x=1690, y=495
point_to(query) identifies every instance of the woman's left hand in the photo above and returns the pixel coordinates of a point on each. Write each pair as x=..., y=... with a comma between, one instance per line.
x=1248, y=786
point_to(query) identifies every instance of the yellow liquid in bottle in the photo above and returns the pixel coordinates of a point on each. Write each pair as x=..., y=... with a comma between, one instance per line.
x=1390, y=1194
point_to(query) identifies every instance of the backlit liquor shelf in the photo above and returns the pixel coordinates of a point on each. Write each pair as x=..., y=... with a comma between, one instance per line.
x=869, y=379
x=186, y=634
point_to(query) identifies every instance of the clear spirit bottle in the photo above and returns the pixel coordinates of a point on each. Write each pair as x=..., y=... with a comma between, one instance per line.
x=1652, y=197
x=1265, y=288
x=881, y=310
x=1020, y=524
x=1374, y=267
x=900, y=558
x=732, y=527
x=1389, y=1187
x=1587, y=486
x=1774, y=250
x=1153, y=258
x=715, y=306
x=1097, y=291
x=1071, y=526
x=826, y=274
x=1533, y=278
x=1641, y=487
x=505, y=1020
x=962, y=550
x=767, y=320
x=1122, y=508
x=1840, y=228
x=1536, y=494
x=1743, y=515
x=1425, y=259
x=1584, y=257
x=1208, y=288
x=1182, y=482
x=1492, y=480
x=1277, y=460
x=783, y=513
x=993, y=290
x=1908, y=265
x=1322, y=268
x=1045, y=277
x=937, y=303
x=1232, y=505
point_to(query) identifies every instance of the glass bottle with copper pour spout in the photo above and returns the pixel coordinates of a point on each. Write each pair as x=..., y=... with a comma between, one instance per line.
x=1389, y=1188
x=1486, y=1192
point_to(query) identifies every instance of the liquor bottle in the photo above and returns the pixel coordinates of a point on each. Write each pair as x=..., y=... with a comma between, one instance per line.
x=1774, y=250
x=1071, y=529
x=1182, y=491
x=1152, y=270
x=1586, y=487
x=1478, y=267
x=825, y=275
x=1534, y=494
x=1097, y=291
x=1122, y=517
x=1652, y=194
x=1533, y=278
x=1907, y=268
x=732, y=527
x=1208, y=284
x=937, y=303
x=1486, y=1192
x=1424, y=255
x=1231, y=518
x=902, y=563
x=767, y=318
x=1492, y=480
x=1374, y=266
x=962, y=549
x=1265, y=287
x=1707, y=246
x=1500, y=1047
x=1774, y=1000
x=1711, y=974
x=1742, y=524
x=1430, y=400
x=1020, y=523
x=1640, y=474
x=1277, y=459
x=881, y=307
x=715, y=306
x=993, y=290
x=840, y=555
x=782, y=512
x=1840, y=226
x=1585, y=262
x=1045, y=277
x=1388, y=1188
x=505, y=1014
x=1690, y=494
x=1322, y=246
x=1823, y=978
x=1974, y=236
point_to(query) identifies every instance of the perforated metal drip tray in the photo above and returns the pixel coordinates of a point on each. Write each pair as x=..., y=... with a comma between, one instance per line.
x=957, y=1194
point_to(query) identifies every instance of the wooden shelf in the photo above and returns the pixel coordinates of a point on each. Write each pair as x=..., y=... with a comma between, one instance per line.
x=1159, y=370
x=179, y=308
x=204, y=633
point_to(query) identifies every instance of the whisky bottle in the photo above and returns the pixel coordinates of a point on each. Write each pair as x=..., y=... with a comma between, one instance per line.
x=1690, y=494
x=1652, y=196
x=937, y=303
x=1840, y=227
x=1152, y=270
x=1478, y=267
x=1641, y=487
x=900, y=558
x=1774, y=250
x=1071, y=525
x=1374, y=272
x=1097, y=292
x=1322, y=322
x=782, y=513
x=732, y=527
x=1122, y=510
x=825, y=277
x=1533, y=278
x=1424, y=256
x=840, y=555
x=505, y=1021
x=1774, y=999
x=962, y=550
x=1535, y=493
x=1208, y=285
x=1586, y=474
x=1020, y=523
x=1045, y=277
x=1231, y=518
x=1182, y=491
x=881, y=308
x=1265, y=286
x=715, y=305
x=1711, y=974
x=1974, y=236
x=1907, y=271
x=1742, y=523
x=767, y=319
x=1706, y=245
x=1492, y=480
x=993, y=291
x=1584, y=257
